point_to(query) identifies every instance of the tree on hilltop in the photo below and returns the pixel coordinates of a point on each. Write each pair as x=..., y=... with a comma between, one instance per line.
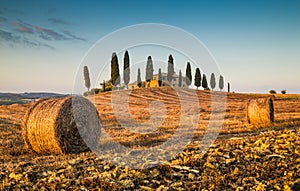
x=188, y=74
x=86, y=77
x=149, y=70
x=221, y=82
x=170, y=68
x=115, y=74
x=180, y=79
x=139, y=80
x=159, y=78
x=204, y=82
x=228, y=87
x=197, y=78
x=212, y=81
x=126, y=74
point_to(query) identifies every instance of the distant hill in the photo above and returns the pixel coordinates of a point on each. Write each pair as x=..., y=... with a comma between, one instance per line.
x=28, y=95
x=11, y=98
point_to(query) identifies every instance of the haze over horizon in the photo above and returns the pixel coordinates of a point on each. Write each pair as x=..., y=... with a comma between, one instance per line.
x=255, y=43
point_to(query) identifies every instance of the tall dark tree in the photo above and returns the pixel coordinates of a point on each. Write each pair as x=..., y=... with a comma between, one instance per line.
x=212, y=81
x=87, y=80
x=197, y=78
x=149, y=69
x=139, y=80
x=221, y=82
x=170, y=68
x=188, y=74
x=159, y=77
x=204, y=82
x=115, y=73
x=228, y=87
x=180, y=79
x=126, y=74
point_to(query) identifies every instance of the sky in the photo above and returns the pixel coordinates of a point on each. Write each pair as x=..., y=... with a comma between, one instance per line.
x=44, y=44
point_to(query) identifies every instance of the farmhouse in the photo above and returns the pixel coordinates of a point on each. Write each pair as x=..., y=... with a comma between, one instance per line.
x=154, y=82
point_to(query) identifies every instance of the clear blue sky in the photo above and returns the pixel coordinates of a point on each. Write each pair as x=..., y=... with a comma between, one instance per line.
x=255, y=43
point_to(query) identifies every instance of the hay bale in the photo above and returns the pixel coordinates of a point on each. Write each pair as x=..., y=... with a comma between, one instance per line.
x=260, y=111
x=61, y=125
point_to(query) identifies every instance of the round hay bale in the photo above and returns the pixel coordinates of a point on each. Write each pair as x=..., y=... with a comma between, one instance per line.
x=260, y=111
x=61, y=125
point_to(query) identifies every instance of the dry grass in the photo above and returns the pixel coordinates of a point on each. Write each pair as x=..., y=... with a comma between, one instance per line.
x=235, y=120
x=287, y=113
x=49, y=126
x=258, y=157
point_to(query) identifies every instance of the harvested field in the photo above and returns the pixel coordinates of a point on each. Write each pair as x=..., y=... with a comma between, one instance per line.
x=244, y=156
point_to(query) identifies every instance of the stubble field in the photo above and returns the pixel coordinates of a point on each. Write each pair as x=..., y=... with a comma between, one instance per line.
x=244, y=157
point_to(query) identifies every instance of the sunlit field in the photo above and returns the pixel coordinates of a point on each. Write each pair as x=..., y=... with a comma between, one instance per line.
x=243, y=157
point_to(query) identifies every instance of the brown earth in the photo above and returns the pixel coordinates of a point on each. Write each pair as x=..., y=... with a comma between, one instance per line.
x=244, y=157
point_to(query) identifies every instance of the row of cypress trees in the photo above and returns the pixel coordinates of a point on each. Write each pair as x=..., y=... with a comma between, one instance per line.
x=202, y=81
x=115, y=74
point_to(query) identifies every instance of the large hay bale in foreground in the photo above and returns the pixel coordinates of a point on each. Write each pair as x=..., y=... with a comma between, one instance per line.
x=260, y=111
x=61, y=125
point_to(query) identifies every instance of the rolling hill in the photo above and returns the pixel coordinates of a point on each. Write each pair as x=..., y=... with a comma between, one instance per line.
x=243, y=157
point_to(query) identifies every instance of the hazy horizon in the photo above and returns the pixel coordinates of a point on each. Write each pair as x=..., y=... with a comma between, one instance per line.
x=256, y=44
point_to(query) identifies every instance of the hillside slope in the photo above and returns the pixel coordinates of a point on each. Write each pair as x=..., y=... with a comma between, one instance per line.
x=244, y=157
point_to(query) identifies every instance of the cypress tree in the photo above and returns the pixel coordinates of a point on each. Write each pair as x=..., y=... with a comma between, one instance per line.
x=212, y=81
x=115, y=74
x=221, y=82
x=197, y=78
x=180, y=79
x=188, y=74
x=139, y=80
x=159, y=78
x=126, y=74
x=204, y=82
x=86, y=77
x=149, y=69
x=228, y=87
x=170, y=69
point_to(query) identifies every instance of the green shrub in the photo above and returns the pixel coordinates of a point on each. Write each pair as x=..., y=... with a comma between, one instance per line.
x=107, y=89
x=87, y=93
x=107, y=85
x=272, y=92
x=283, y=91
x=95, y=91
